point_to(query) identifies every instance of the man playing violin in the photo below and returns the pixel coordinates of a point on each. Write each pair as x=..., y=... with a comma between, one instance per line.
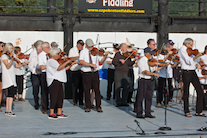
x=121, y=78
x=76, y=74
x=42, y=60
x=150, y=43
x=188, y=64
x=131, y=72
x=165, y=72
x=90, y=76
x=111, y=70
x=145, y=87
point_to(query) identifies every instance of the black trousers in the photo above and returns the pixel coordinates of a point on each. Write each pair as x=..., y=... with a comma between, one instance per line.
x=19, y=80
x=191, y=76
x=77, y=86
x=91, y=80
x=131, y=84
x=35, y=85
x=110, y=83
x=56, y=95
x=121, y=81
x=44, y=91
x=11, y=91
x=162, y=92
x=144, y=92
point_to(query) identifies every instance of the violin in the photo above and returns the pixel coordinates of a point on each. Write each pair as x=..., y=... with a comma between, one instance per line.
x=176, y=59
x=131, y=54
x=11, y=56
x=23, y=56
x=202, y=63
x=156, y=51
x=153, y=62
x=100, y=52
x=204, y=72
x=62, y=61
x=190, y=51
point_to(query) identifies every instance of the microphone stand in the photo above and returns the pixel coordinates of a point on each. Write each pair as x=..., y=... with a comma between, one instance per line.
x=143, y=133
x=165, y=128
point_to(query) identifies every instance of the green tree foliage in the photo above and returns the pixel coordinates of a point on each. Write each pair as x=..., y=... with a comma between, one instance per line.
x=179, y=8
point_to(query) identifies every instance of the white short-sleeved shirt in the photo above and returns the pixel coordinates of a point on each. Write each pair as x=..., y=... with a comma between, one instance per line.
x=162, y=73
x=204, y=57
x=42, y=59
x=110, y=58
x=143, y=65
x=0, y=66
x=74, y=52
x=199, y=74
x=52, y=72
x=84, y=55
x=8, y=75
x=20, y=71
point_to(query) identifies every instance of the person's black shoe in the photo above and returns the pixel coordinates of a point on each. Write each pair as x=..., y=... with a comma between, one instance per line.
x=81, y=103
x=150, y=116
x=141, y=117
x=101, y=97
x=37, y=107
x=124, y=104
x=118, y=105
x=107, y=98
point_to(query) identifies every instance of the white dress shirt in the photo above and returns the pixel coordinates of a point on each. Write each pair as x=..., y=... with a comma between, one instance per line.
x=74, y=52
x=142, y=53
x=8, y=75
x=33, y=64
x=162, y=73
x=84, y=55
x=32, y=54
x=186, y=61
x=53, y=73
x=143, y=65
x=110, y=58
x=204, y=57
x=20, y=71
x=199, y=74
x=42, y=59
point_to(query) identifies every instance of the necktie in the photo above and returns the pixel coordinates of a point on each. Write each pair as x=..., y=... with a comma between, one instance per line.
x=90, y=60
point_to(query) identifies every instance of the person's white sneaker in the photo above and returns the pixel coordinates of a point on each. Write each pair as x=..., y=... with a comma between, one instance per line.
x=11, y=114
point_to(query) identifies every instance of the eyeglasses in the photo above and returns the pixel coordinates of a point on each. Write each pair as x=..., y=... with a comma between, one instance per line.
x=2, y=45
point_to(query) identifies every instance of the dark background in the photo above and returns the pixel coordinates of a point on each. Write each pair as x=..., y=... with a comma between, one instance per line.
x=138, y=5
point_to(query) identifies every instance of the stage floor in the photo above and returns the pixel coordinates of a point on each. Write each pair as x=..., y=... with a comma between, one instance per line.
x=113, y=122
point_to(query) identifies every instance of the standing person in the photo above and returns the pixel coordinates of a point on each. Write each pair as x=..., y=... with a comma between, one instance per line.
x=121, y=78
x=188, y=64
x=76, y=75
x=8, y=76
x=54, y=45
x=203, y=58
x=42, y=60
x=56, y=75
x=110, y=72
x=90, y=67
x=35, y=73
x=145, y=84
x=150, y=43
x=131, y=75
x=165, y=73
x=19, y=72
x=1, y=95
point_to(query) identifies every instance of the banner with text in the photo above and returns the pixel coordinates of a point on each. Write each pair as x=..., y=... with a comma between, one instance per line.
x=115, y=6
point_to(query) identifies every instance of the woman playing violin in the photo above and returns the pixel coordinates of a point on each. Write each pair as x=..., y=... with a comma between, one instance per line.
x=188, y=64
x=1, y=95
x=56, y=75
x=8, y=76
x=19, y=72
x=201, y=76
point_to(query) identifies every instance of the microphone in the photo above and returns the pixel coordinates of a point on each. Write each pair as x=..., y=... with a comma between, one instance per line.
x=143, y=133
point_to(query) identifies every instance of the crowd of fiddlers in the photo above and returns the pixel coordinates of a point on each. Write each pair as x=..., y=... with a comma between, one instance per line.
x=48, y=64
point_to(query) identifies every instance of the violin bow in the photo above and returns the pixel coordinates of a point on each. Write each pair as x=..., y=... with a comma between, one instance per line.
x=129, y=56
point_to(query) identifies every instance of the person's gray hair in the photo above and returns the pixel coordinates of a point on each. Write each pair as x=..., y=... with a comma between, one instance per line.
x=37, y=43
x=44, y=44
x=122, y=44
x=38, y=47
x=54, y=51
x=187, y=41
x=7, y=47
x=166, y=46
